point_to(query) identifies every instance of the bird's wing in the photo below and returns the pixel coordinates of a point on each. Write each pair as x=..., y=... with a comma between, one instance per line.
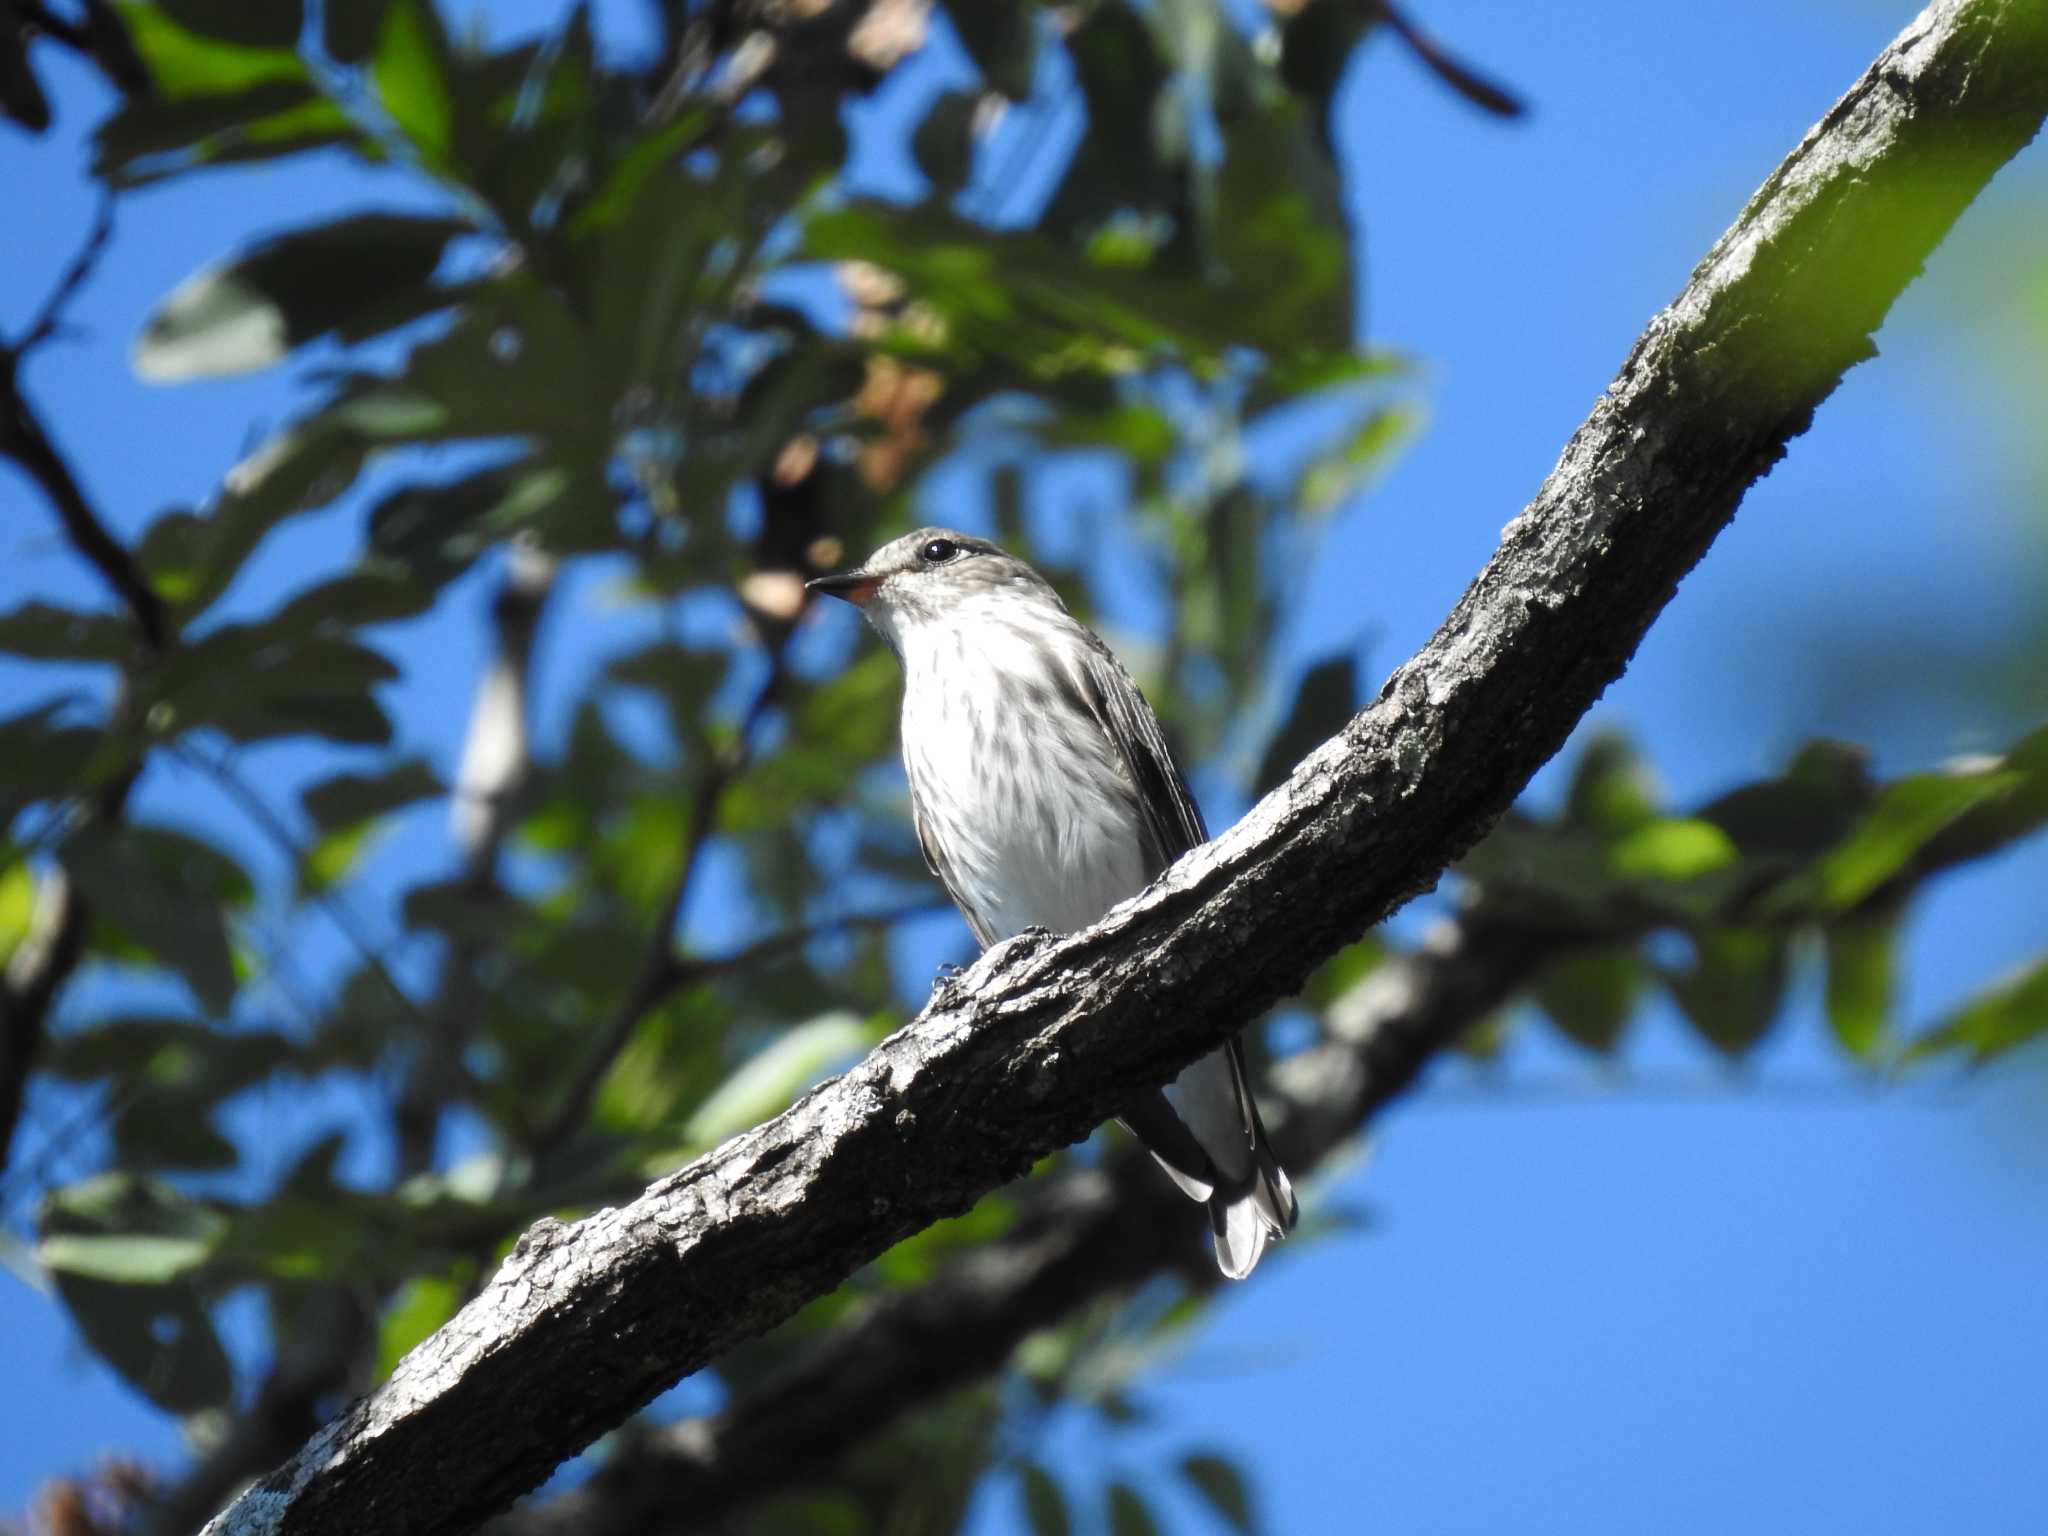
x=1170, y=813
x=935, y=861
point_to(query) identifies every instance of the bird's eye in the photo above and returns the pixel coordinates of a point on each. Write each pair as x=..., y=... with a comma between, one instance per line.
x=938, y=551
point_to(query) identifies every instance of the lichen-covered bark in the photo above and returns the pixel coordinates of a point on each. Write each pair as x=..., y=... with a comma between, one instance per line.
x=1043, y=1039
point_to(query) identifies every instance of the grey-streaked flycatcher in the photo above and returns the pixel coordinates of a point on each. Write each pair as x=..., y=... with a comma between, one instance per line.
x=1043, y=794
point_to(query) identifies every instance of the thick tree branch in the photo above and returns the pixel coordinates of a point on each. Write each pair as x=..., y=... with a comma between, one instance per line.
x=1044, y=1039
x=1094, y=1234
x=1090, y=1234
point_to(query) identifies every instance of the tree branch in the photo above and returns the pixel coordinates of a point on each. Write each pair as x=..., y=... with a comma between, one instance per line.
x=1043, y=1039
x=662, y=972
x=1094, y=1233
x=44, y=961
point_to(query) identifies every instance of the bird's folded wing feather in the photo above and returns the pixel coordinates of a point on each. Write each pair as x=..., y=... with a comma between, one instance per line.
x=1172, y=818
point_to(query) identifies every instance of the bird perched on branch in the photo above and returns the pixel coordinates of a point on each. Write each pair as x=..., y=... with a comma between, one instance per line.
x=1043, y=794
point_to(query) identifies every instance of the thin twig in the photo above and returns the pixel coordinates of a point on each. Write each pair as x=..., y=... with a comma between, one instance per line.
x=24, y=440
x=50, y=318
x=37, y=971
x=688, y=970
x=660, y=974
x=272, y=826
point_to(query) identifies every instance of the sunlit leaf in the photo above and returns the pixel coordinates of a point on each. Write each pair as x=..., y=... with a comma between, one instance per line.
x=149, y=1324
x=772, y=1079
x=411, y=71
x=1862, y=955
x=124, y=1258
x=1674, y=850
x=1905, y=818
x=183, y=63
x=423, y=1304
x=1612, y=788
x=17, y=902
x=2010, y=1013
x=1358, y=461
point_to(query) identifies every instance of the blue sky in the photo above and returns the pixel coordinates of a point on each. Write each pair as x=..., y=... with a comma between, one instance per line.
x=1790, y=1301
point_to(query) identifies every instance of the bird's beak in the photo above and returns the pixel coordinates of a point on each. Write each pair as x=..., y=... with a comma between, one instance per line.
x=855, y=586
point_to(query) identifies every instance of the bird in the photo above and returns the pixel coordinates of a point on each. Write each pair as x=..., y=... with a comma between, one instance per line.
x=1043, y=792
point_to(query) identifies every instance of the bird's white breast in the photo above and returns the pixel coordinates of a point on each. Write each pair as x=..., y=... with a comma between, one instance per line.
x=1026, y=797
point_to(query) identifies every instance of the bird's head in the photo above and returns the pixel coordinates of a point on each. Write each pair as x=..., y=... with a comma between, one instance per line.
x=931, y=577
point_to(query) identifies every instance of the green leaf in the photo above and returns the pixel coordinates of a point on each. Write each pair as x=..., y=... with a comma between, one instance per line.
x=1045, y=1507
x=159, y=1338
x=2011, y=1013
x=359, y=273
x=43, y=632
x=411, y=72
x=422, y=1305
x=1346, y=471
x=1793, y=818
x=40, y=758
x=166, y=891
x=773, y=1078
x=1223, y=1486
x=126, y=1258
x=643, y=157
x=149, y=1323
x=349, y=798
x=2014, y=812
x=157, y=1054
x=193, y=558
x=258, y=682
x=153, y=137
x=17, y=903
x=1908, y=815
x=1589, y=994
x=333, y=855
x=1612, y=789
x=1325, y=701
x=437, y=531
x=1862, y=980
x=1128, y=1512
x=1671, y=851
x=126, y=1231
x=183, y=64
x=1733, y=990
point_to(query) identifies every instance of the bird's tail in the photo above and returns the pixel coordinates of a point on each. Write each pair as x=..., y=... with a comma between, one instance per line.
x=1204, y=1129
x=1243, y=1220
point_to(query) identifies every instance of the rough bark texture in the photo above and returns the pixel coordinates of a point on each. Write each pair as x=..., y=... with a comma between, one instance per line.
x=1044, y=1039
x=1093, y=1233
